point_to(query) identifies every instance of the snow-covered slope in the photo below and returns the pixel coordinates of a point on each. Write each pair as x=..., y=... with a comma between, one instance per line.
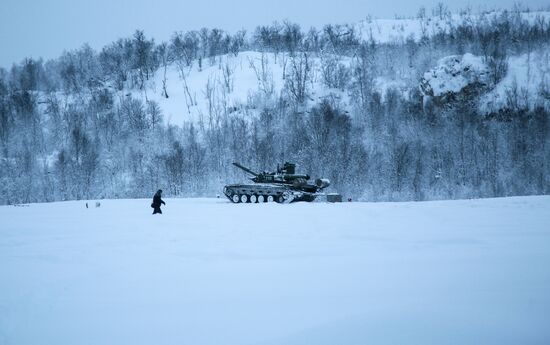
x=228, y=81
x=211, y=272
x=399, y=30
x=524, y=85
x=240, y=84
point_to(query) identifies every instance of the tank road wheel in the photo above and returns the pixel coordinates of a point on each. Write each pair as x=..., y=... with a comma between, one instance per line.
x=244, y=198
x=280, y=199
x=253, y=199
x=261, y=198
x=269, y=198
x=236, y=198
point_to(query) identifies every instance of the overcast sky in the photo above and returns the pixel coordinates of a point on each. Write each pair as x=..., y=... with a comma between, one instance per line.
x=44, y=28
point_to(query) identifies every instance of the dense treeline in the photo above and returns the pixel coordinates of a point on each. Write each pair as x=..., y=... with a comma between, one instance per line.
x=71, y=129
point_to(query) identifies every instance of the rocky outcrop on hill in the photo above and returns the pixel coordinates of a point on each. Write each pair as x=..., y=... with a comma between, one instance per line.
x=456, y=76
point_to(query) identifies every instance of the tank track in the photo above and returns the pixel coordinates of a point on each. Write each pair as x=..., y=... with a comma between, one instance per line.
x=257, y=193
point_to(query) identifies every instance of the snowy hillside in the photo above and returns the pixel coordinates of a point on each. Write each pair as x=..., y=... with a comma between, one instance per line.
x=244, y=82
x=399, y=30
x=240, y=83
x=211, y=272
x=524, y=85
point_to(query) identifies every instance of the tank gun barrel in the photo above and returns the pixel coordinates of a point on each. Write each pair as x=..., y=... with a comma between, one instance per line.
x=245, y=169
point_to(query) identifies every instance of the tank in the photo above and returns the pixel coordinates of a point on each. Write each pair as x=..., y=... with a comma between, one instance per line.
x=283, y=185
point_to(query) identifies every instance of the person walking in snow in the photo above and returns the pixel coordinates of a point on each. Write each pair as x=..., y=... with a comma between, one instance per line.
x=157, y=201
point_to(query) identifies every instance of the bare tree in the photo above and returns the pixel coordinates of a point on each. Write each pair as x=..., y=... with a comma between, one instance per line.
x=299, y=76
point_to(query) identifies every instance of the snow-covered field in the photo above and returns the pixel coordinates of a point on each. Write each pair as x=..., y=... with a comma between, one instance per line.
x=211, y=272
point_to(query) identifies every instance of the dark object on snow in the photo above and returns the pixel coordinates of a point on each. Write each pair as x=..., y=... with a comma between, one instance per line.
x=157, y=201
x=284, y=185
x=334, y=197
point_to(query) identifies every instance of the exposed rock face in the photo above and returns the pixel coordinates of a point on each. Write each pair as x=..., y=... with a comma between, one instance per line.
x=455, y=76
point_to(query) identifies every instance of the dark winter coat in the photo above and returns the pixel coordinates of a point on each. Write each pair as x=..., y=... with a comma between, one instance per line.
x=157, y=201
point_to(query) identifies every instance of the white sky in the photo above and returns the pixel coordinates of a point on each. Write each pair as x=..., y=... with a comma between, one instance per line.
x=44, y=28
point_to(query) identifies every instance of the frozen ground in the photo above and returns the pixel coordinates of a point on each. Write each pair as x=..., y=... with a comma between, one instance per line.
x=211, y=272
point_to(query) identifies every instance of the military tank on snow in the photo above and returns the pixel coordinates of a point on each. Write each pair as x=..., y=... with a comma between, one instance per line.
x=284, y=185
